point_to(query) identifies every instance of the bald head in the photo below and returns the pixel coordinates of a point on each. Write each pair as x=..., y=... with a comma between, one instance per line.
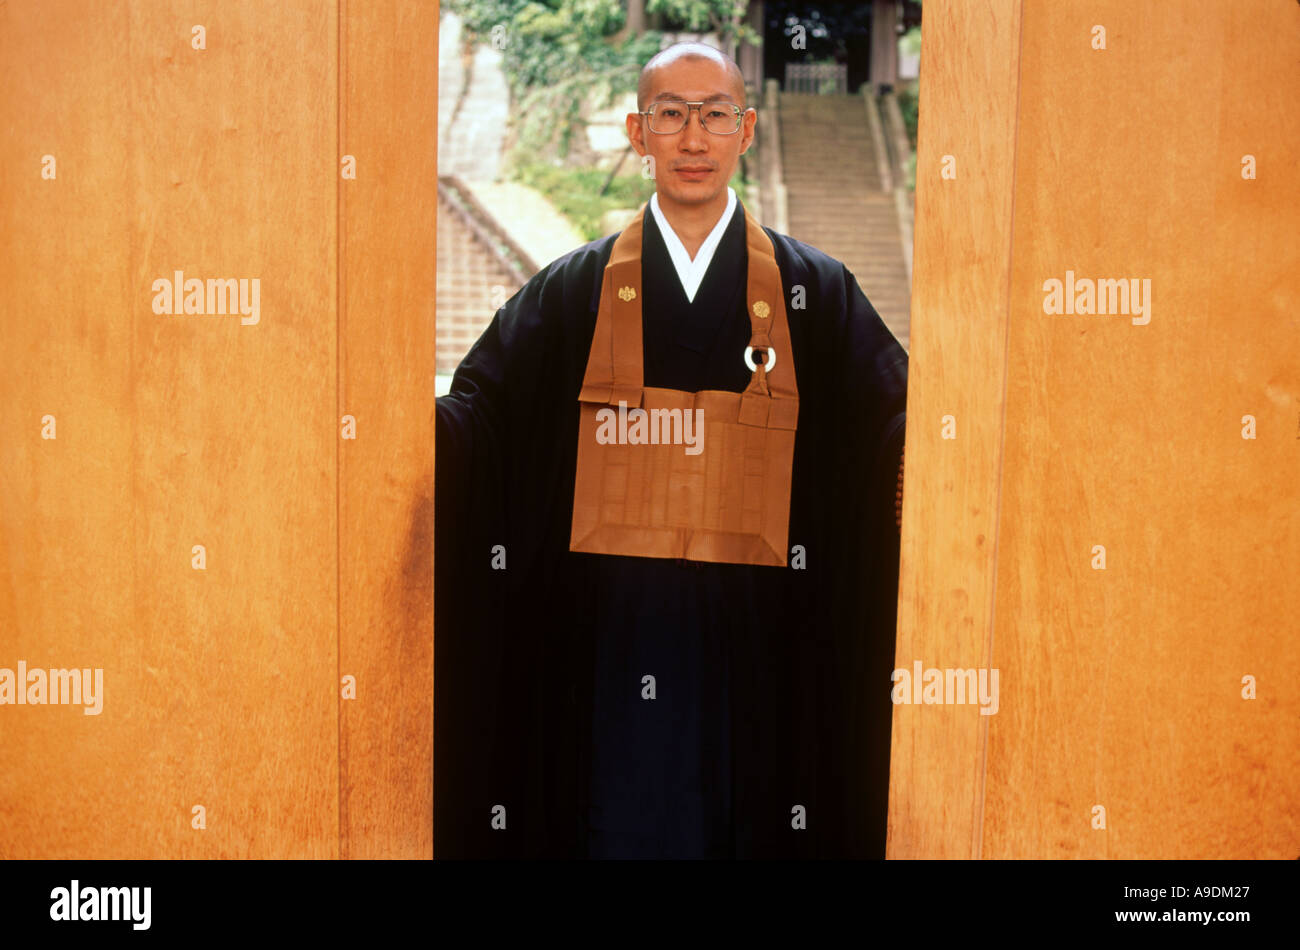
x=689, y=50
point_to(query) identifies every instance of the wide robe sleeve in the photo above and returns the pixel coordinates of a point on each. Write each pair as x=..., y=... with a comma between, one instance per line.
x=468, y=620
x=872, y=388
x=858, y=437
x=501, y=433
x=829, y=652
x=508, y=667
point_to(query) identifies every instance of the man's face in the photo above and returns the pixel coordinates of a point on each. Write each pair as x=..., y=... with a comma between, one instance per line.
x=692, y=166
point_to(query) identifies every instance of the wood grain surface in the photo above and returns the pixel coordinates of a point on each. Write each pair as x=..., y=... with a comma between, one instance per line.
x=1122, y=687
x=387, y=382
x=956, y=369
x=221, y=685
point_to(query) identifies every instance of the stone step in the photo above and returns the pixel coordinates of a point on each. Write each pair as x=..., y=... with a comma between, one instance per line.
x=468, y=274
x=815, y=188
x=835, y=201
x=857, y=235
x=880, y=241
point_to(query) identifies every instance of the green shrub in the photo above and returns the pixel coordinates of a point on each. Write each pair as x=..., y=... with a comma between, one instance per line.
x=909, y=97
x=575, y=192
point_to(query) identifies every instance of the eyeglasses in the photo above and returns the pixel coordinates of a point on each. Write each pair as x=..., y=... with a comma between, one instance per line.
x=669, y=116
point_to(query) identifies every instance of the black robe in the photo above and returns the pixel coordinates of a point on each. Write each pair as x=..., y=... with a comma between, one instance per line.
x=771, y=706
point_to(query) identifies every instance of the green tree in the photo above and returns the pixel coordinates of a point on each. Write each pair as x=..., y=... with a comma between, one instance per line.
x=556, y=54
x=559, y=54
x=724, y=17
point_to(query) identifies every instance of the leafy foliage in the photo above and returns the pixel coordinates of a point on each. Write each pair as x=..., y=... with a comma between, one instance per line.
x=724, y=17
x=575, y=192
x=561, y=54
x=908, y=95
x=555, y=54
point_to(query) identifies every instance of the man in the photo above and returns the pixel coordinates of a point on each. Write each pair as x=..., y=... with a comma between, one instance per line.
x=669, y=703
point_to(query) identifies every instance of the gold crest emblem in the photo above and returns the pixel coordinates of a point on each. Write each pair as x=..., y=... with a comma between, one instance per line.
x=626, y=293
x=761, y=310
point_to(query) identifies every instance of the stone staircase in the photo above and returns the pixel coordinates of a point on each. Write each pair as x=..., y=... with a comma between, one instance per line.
x=835, y=199
x=472, y=284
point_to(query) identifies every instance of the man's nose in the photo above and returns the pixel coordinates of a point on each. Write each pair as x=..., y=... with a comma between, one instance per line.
x=694, y=136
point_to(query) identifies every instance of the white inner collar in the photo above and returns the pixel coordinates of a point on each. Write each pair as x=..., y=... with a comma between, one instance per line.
x=691, y=272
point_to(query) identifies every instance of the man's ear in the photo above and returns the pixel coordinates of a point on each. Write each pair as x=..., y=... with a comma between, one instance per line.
x=636, y=132
x=748, y=121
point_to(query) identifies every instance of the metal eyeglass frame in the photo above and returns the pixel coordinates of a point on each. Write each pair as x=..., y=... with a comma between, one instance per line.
x=697, y=106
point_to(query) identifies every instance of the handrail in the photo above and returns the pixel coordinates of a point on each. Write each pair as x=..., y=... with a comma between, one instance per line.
x=884, y=161
x=900, y=148
x=772, y=170
x=518, y=262
x=902, y=152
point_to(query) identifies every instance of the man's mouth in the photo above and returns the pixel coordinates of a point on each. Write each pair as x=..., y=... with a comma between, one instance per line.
x=694, y=173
